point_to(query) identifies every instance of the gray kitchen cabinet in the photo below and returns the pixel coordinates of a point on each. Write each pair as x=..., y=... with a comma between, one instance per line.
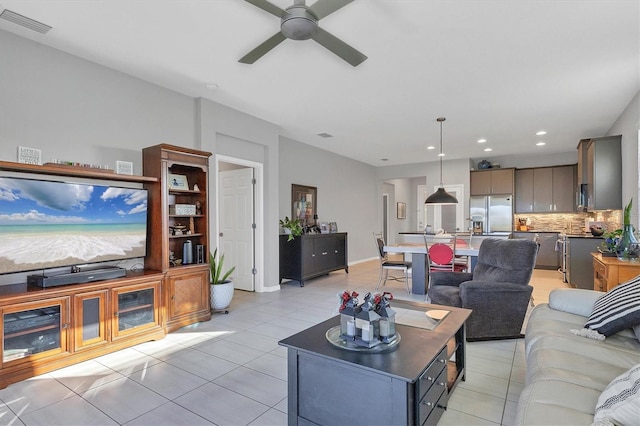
x=548, y=257
x=545, y=189
x=580, y=262
x=524, y=191
x=491, y=182
x=601, y=171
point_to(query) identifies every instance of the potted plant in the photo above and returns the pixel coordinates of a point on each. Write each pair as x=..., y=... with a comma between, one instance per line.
x=221, y=284
x=609, y=243
x=292, y=227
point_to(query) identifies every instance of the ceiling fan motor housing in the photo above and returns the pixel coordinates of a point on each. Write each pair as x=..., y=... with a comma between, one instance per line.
x=299, y=23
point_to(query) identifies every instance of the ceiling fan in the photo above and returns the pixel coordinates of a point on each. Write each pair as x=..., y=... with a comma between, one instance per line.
x=300, y=22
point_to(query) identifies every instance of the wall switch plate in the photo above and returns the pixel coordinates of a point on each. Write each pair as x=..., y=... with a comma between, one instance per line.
x=29, y=155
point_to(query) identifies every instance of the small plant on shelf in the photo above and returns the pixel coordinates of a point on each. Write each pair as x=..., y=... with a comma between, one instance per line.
x=292, y=227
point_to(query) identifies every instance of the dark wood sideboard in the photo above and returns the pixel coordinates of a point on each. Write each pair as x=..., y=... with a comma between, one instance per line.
x=311, y=255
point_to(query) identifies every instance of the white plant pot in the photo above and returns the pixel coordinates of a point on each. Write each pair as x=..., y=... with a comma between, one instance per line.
x=221, y=295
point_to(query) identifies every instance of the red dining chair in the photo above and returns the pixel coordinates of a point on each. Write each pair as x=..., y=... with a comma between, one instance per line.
x=441, y=258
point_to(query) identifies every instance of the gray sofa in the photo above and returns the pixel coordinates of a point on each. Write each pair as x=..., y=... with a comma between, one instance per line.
x=567, y=373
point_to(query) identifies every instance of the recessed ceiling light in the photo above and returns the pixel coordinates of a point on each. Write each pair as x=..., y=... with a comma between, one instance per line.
x=384, y=159
x=211, y=86
x=541, y=144
x=325, y=135
x=431, y=147
x=488, y=150
x=541, y=132
x=482, y=140
x=442, y=154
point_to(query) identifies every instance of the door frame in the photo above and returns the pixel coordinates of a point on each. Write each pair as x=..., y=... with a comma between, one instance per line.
x=258, y=207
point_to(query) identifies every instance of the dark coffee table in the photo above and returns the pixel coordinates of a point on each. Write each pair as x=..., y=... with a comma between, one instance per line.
x=410, y=385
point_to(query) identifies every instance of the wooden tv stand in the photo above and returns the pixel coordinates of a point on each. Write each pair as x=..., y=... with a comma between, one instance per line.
x=44, y=329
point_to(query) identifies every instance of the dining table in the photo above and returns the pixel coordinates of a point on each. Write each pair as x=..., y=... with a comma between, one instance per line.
x=419, y=267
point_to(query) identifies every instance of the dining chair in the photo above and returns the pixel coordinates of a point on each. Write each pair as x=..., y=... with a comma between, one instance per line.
x=387, y=265
x=441, y=258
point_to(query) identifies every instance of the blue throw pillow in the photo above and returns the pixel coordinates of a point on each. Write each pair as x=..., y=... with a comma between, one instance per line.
x=617, y=309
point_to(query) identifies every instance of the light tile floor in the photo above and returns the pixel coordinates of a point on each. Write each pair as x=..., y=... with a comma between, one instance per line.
x=231, y=370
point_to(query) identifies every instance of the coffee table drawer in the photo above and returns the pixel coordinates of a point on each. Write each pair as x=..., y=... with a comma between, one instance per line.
x=436, y=397
x=430, y=375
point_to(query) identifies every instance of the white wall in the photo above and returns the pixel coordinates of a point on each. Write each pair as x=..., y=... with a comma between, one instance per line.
x=346, y=192
x=231, y=133
x=628, y=125
x=76, y=110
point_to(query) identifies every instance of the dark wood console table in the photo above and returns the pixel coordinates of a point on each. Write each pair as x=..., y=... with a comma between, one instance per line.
x=311, y=255
x=411, y=385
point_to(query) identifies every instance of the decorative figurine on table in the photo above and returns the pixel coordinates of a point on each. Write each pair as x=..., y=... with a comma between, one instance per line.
x=387, y=317
x=368, y=323
x=348, y=310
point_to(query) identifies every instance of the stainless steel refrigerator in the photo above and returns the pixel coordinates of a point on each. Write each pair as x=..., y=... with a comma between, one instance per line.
x=494, y=211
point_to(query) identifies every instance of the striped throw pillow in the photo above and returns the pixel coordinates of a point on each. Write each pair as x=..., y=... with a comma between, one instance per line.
x=619, y=403
x=617, y=309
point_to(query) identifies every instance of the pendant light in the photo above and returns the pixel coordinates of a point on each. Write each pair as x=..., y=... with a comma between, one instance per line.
x=441, y=196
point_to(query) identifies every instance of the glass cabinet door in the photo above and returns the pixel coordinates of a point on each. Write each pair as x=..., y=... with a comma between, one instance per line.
x=135, y=308
x=34, y=328
x=91, y=327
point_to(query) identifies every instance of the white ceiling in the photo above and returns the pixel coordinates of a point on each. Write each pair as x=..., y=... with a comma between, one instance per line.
x=497, y=69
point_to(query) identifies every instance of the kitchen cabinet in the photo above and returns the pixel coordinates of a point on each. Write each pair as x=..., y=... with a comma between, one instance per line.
x=600, y=173
x=579, y=260
x=492, y=181
x=178, y=214
x=311, y=255
x=545, y=189
x=548, y=257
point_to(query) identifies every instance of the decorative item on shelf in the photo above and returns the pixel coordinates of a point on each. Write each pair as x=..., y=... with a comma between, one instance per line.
x=198, y=207
x=221, y=283
x=182, y=209
x=291, y=227
x=196, y=188
x=628, y=247
x=484, y=164
x=348, y=310
x=124, y=167
x=178, y=182
x=387, y=317
x=178, y=229
x=333, y=227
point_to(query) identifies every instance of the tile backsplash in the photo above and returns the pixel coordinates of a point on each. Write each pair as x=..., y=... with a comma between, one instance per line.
x=570, y=223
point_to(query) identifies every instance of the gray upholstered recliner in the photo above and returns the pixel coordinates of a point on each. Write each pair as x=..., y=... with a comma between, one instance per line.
x=498, y=290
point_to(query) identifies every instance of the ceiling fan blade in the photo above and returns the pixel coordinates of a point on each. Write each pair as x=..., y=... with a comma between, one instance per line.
x=263, y=48
x=267, y=7
x=338, y=47
x=323, y=8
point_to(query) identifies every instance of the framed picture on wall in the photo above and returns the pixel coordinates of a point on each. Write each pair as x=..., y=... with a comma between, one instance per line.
x=304, y=204
x=401, y=210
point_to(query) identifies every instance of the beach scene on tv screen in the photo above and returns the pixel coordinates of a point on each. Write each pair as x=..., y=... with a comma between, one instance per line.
x=45, y=224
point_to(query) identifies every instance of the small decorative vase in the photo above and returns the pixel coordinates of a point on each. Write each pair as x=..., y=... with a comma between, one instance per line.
x=628, y=247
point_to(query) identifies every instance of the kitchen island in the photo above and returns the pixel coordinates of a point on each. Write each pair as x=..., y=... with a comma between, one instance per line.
x=409, y=385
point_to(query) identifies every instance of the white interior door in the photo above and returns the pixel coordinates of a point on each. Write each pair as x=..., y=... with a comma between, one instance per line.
x=422, y=208
x=236, y=209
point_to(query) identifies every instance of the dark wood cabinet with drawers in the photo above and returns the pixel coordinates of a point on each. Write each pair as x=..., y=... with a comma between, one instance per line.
x=309, y=256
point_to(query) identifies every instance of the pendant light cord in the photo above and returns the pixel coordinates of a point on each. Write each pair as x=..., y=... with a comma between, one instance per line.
x=441, y=119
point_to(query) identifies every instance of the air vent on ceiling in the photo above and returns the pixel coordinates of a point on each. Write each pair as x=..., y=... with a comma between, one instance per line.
x=25, y=22
x=325, y=135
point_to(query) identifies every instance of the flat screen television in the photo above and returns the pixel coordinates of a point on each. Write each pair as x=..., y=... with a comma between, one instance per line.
x=50, y=224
